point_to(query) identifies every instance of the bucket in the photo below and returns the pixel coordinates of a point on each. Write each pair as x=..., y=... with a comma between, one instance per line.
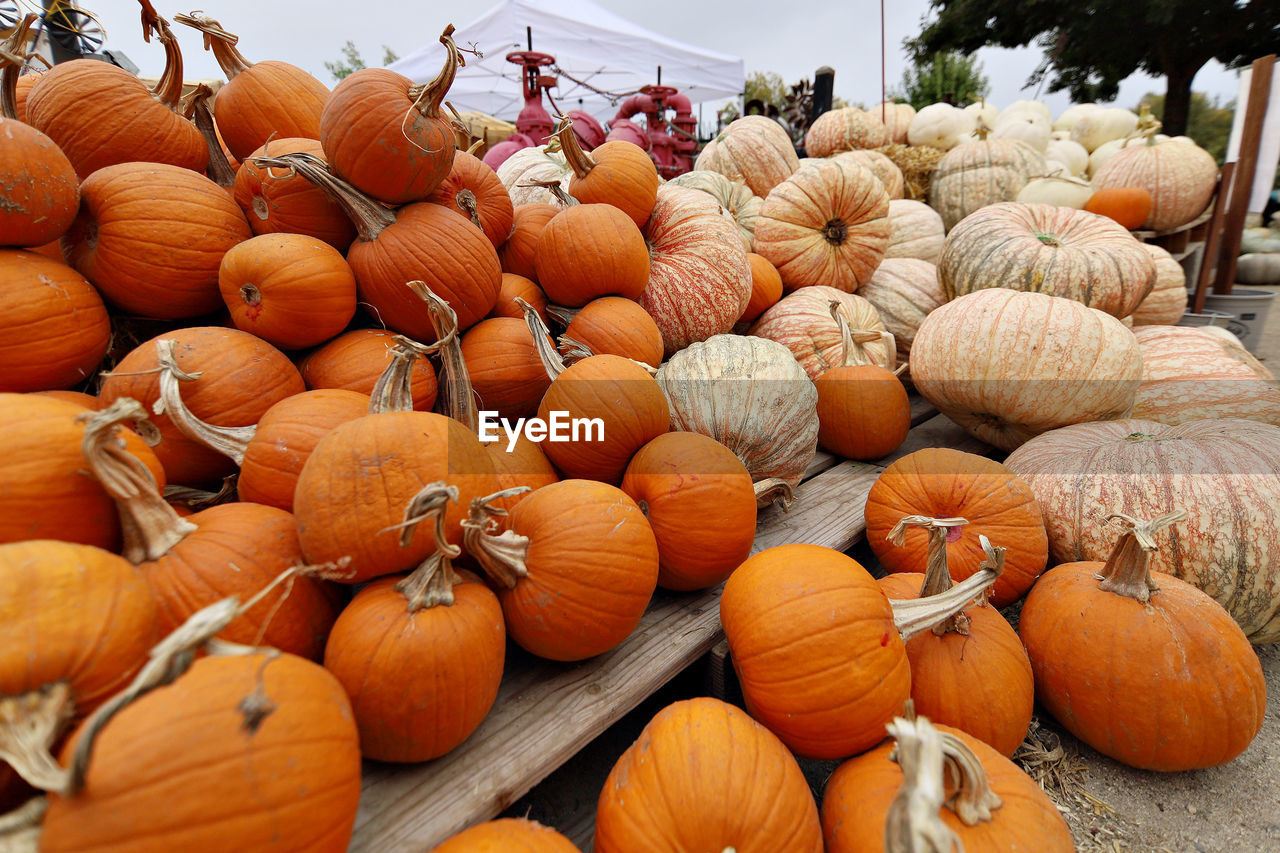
x=1208, y=318
x=1248, y=310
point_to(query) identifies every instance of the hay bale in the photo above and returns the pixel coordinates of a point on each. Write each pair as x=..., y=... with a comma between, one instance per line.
x=917, y=163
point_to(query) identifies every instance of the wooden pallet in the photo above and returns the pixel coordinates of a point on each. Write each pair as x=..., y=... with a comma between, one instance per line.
x=546, y=712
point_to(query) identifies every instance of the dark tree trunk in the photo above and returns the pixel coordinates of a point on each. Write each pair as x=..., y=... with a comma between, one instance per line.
x=1177, y=100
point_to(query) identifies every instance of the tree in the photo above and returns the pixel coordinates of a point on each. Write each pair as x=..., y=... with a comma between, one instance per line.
x=1208, y=121
x=352, y=60
x=1092, y=45
x=767, y=86
x=943, y=76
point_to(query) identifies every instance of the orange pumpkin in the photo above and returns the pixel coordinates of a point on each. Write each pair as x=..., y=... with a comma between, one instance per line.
x=354, y=360
x=272, y=733
x=387, y=135
x=290, y=290
x=53, y=326
x=588, y=251
x=517, y=286
x=946, y=483
x=472, y=190
x=1129, y=206
x=574, y=571
x=42, y=192
x=681, y=787
x=701, y=504
x=519, y=252
x=505, y=370
x=766, y=287
x=507, y=835
x=260, y=100
x=845, y=129
x=420, y=657
x=863, y=411
x=275, y=200
x=150, y=237
x=617, y=173
x=1170, y=648
x=80, y=398
x=612, y=325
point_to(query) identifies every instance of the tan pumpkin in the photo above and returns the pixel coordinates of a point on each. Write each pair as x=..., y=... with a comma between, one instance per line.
x=752, y=396
x=975, y=174
x=904, y=291
x=1225, y=473
x=845, y=129
x=802, y=322
x=825, y=225
x=1045, y=249
x=896, y=119
x=1167, y=301
x=915, y=231
x=537, y=175
x=1008, y=365
x=884, y=168
x=1180, y=177
x=739, y=203
x=754, y=150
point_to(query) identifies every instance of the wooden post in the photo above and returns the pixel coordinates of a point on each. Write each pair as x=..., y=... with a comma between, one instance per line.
x=1213, y=238
x=1246, y=167
x=824, y=81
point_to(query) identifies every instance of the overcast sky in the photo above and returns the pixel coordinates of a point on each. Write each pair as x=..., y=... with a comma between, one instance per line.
x=792, y=38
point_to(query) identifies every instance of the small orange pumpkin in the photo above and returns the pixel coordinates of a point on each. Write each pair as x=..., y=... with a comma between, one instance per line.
x=519, y=252
x=863, y=411
x=507, y=835
x=514, y=286
x=1129, y=206
x=612, y=325
x=766, y=287
x=617, y=173
x=274, y=200
x=473, y=191
x=505, y=370
x=588, y=251
x=354, y=360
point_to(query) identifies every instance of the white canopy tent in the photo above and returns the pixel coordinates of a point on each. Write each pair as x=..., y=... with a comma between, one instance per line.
x=594, y=50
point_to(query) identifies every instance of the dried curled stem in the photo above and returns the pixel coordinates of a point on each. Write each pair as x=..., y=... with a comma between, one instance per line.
x=371, y=218
x=1127, y=570
x=920, y=614
x=774, y=490
x=393, y=392
x=854, y=341
x=218, y=40
x=197, y=109
x=431, y=584
x=500, y=554
x=551, y=360
x=13, y=56
x=229, y=441
x=168, y=88
x=937, y=575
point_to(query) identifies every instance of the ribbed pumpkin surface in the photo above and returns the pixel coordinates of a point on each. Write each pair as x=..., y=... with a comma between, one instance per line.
x=802, y=322
x=915, y=231
x=754, y=150
x=845, y=129
x=268, y=99
x=41, y=190
x=1180, y=177
x=1167, y=301
x=274, y=201
x=903, y=291
x=975, y=174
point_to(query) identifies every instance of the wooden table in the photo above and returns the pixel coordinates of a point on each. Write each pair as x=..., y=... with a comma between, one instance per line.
x=546, y=712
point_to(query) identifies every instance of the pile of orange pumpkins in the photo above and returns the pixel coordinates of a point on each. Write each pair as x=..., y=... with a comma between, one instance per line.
x=279, y=398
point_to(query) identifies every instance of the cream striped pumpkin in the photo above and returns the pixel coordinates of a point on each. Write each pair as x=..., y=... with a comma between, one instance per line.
x=1180, y=177
x=1224, y=473
x=1043, y=248
x=896, y=119
x=1167, y=301
x=915, y=231
x=883, y=168
x=904, y=291
x=975, y=174
x=845, y=129
x=739, y=203
x=802, y=322
x=1008, y=365
x=754, y=150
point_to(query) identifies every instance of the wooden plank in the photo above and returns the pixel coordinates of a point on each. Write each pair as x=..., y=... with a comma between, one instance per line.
x=1246, y=167
x=545, y=712
x=1213, y=240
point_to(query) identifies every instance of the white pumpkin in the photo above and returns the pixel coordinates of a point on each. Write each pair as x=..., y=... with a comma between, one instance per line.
x=976, y=174
x=941, y=126
x=1059, y=134
x=1167, y=301
x=1031, y=128
x=915, y=231
x=1250, y=269
x=1107, y=150
x=1072, y=114
x=1102, y=126
x=984, y=112
x=904, y=291
x=1070, y=154
x=897, y=119
x=522, y=171
x=1019, y=107
x=1058, y=191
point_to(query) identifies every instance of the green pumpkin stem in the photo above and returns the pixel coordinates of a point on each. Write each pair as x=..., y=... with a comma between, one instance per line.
x=218, y=40
x=500, y=554
x=1127, y=570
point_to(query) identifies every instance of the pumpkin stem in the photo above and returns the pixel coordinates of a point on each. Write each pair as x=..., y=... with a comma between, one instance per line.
x=151, y=527
x=562, y=314
x=836, y=232
x=500, y=555
x=854, y=350
x=774, y=490
x=556, y=189
x=200, y=498
x=31, y=724
x=218, y=40
x=456, y=399
x=20, y=828
x=11, y=62
x=429, y=97
x=431, y=584
x=393, y=392
x=920, y=614
x=466, y=201
x=551, y=360
x=197, y=109
x=229, y=441
x=578, y=160
x=937, y=575
x=168, y=88
x=1127, y=571
x=370, y=217
x=573, y=351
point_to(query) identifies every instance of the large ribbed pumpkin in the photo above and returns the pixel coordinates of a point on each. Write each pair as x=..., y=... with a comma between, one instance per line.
x=825, y=225
x=271, y=733
x=1188, y=375
x=41, y=190
x=1007, y=365
x=896, y=118
x=388, y=136
x=802, y=322
x=699, y=275
x=1167, y=301
x=101, y=115
x=945, y=483
x=975, y=174
x=754, y=150
x=53, y=325
x=589, y=251
x=904, y=291
x=274, y=200
x=150, y=236
x=750, y=395
x=739, y=203
x=1041, y=248
x=1224, y=473
x=845, y=129
x=260, y=100
x=537, y=176
x=915, y=231
x=1173, y=649
x=680, y=787
x=1179, y=175
x=883, y=168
